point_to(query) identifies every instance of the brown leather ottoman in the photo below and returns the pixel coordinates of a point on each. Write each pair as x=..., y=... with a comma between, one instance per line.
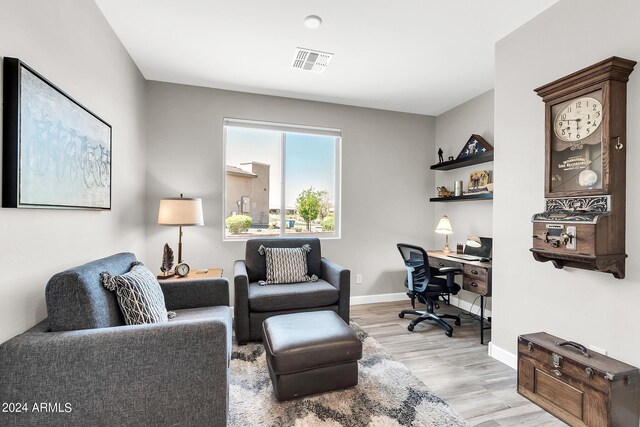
x=310, y=353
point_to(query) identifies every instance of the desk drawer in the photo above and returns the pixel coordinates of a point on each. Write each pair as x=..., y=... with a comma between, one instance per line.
x=475, y=285
x=476, y=273
x=439, y=263
x=477, y=279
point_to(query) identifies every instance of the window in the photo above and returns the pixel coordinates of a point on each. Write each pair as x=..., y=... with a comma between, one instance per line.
x=281, y=180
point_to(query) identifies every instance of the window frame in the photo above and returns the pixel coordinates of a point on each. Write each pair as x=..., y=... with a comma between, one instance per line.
x=285, y=128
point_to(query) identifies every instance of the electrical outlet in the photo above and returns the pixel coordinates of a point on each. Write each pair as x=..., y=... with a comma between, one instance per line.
x=358, y=279
x=598, y=349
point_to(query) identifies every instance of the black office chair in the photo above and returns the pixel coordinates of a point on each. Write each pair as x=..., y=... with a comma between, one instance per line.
x=422, y=283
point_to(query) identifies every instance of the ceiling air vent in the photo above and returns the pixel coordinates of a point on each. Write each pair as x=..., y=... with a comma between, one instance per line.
x=311, y=60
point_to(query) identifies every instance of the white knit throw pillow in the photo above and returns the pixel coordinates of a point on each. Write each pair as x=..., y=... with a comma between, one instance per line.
x=139, y=295
x=286, y=265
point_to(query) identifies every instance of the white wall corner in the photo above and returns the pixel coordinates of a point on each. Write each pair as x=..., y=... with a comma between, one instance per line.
x=503, y=356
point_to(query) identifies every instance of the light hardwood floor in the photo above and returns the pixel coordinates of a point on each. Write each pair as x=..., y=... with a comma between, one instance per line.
x=458, y=369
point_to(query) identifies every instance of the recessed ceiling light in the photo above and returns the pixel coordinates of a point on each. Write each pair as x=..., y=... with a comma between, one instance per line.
x=312, y=21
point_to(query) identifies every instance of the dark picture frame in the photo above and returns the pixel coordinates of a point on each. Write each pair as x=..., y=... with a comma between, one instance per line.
x=56, y=152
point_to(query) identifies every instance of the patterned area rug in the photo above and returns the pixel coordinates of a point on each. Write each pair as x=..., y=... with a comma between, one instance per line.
x=387, y=394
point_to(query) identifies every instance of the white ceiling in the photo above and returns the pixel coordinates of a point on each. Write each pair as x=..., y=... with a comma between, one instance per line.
x=418, y=56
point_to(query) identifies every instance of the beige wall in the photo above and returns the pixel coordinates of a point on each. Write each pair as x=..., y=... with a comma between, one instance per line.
x=71, y=44
x=385, y=177
x=589, y=307
x=238, y=186
x=453, y=130
x=260, y=194
x=256, y=188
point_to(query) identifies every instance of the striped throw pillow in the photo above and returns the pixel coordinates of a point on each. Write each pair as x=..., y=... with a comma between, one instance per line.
x=286, y=265
x=139, y=295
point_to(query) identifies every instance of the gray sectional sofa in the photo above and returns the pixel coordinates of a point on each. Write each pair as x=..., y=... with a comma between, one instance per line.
x=82, y=366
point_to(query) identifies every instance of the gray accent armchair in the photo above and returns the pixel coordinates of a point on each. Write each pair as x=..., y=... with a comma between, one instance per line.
x=92, y=369
x=254, y=303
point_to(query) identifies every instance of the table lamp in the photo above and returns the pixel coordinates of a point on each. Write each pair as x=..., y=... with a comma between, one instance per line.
x=180, y=211
x=444, y=227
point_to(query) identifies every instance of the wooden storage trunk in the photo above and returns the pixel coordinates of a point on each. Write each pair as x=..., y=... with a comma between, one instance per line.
x=580, y=387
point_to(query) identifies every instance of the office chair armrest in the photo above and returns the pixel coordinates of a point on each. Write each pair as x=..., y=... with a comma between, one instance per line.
x=451, y=273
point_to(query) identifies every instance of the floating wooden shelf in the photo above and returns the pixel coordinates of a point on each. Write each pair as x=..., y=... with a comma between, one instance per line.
x=481, y=196
x=475, y=159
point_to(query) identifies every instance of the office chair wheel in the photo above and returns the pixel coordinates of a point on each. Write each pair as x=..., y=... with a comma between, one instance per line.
x=457, y=322
x=448, y=333
x=410, y=327
x=401, y=315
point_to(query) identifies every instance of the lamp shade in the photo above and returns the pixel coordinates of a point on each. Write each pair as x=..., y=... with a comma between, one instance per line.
x=180, y=211
x=474, y=242
x=444, y=226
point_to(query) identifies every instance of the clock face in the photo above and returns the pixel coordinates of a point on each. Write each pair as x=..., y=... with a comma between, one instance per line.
x=578, y=119
x=576, y=142
x=182, y=269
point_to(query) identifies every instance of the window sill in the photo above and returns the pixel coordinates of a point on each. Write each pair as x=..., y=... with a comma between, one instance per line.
x=296, y=235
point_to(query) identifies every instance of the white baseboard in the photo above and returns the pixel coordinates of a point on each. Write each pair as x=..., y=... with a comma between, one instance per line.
x=503, y=356
x=372, y=299
x=401, y=296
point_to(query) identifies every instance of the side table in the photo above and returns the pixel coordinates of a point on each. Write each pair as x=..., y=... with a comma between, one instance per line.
x=210, y=273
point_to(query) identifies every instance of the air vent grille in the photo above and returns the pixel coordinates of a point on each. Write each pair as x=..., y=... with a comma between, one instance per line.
x=311, y=60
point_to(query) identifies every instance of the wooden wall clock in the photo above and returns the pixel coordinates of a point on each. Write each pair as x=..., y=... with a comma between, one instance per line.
x=583, y=224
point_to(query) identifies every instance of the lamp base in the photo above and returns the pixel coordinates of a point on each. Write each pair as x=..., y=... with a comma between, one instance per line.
x=446, y=249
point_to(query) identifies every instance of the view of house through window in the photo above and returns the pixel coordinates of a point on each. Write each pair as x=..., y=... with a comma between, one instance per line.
x=281, y=180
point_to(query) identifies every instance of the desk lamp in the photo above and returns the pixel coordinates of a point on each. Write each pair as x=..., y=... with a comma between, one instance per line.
x=180, y=211
x=444, y=227
x=474, y=242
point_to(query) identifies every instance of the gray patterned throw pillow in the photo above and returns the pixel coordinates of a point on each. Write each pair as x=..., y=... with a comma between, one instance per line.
x=139, y=295
x=286, y=265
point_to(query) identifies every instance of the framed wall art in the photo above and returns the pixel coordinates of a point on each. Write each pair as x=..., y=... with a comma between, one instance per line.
x=56, y=153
